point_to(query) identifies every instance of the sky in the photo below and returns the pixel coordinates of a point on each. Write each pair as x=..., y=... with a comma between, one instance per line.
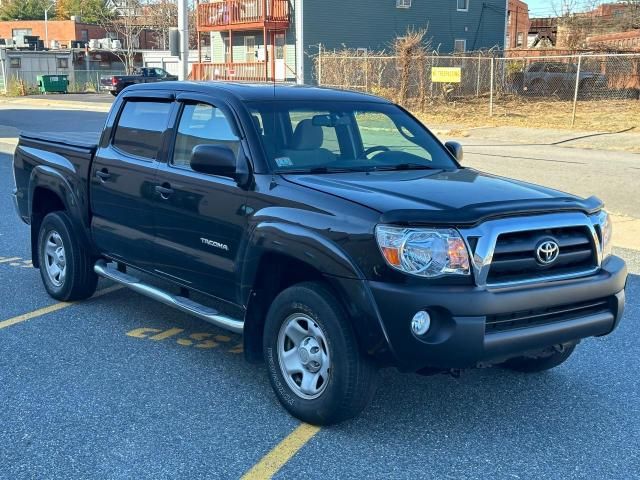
x=548, y=8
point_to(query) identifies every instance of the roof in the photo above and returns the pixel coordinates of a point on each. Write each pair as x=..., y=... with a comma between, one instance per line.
x=264, y=91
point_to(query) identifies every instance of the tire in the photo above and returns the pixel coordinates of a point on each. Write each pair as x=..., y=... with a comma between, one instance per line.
x=540, y=364
x=60, y=250
x=344, y=380
x=113, y=92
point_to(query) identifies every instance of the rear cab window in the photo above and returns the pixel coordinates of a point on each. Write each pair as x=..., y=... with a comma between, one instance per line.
x=140, y=128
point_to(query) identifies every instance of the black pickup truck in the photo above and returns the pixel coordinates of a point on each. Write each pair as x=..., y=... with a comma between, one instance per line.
x=330, y=228
x=114, y=84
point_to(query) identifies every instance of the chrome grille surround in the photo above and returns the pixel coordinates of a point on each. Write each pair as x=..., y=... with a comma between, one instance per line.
x=484, y=237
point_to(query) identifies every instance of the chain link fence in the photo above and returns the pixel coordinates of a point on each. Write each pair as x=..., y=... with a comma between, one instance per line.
x=24, y=82
x=542, y=91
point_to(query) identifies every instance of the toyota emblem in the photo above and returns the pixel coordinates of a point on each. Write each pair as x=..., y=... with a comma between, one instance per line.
x=547, y=252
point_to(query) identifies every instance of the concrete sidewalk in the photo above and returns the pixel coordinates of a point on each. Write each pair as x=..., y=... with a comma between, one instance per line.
x=627, y=141
x=73, y=103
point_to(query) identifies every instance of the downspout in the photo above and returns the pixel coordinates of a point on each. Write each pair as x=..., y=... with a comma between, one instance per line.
x=299, y=25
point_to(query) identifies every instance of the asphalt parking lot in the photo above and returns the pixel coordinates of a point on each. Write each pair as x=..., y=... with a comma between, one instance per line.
x=121, y=387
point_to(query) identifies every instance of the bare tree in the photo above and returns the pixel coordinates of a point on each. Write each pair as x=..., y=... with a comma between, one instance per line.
x=126, y=20
x=163, y=15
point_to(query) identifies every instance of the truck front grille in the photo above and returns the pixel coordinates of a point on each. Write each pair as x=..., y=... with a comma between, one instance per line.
x=515, y=258
x=530, y=318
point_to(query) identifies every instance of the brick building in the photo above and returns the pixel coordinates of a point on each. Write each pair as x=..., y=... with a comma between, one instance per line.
x=65, y=31
x=517, y=24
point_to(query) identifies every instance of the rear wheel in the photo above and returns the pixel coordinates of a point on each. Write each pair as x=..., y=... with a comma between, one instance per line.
x=315, y=366
x=540, y=363
x=66, y=266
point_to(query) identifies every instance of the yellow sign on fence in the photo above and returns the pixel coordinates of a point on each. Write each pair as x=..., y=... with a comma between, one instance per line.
x=446, y=74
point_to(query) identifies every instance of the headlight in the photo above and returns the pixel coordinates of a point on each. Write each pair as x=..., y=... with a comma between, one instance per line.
x=425, y=252
x=606, y=230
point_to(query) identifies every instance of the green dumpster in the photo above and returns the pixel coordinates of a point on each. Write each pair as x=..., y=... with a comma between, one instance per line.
x=53, y=83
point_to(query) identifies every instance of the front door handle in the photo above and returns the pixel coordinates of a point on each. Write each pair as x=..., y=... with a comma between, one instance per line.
x=103, y=174
x=164, y=190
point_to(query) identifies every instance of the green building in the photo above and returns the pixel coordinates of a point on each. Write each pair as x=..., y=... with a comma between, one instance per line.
x=295, y=29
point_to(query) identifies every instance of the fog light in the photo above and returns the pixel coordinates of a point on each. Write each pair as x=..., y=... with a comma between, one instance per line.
x=420, y=323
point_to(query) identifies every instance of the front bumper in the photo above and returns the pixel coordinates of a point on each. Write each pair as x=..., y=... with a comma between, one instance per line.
x=459, y=338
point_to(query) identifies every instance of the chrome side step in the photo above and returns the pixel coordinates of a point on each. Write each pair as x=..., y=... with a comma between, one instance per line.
x=181, y=303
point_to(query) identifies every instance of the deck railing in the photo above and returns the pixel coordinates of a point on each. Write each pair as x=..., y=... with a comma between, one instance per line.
x=227, y=13
x=245, y=72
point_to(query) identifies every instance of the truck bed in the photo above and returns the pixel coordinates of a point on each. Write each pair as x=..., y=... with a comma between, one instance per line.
x=66, y=154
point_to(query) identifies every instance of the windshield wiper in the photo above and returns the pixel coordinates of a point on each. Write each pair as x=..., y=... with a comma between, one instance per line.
x=406, y=166
x=321, y=170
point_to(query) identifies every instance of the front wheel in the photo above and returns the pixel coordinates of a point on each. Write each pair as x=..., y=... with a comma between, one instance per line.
x=541, y=363
x=66, y=266
x=315, y=366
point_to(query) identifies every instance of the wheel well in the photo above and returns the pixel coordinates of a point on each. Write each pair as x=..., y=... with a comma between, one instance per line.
x=275, y=273
x=44, y=202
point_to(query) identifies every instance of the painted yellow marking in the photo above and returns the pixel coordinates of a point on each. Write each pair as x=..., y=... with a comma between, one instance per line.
x=142, y=332
x=166, y=334
x=10, y=259
x=51, y=308
x=273, y=461
x=223, y=338
x=237, y=349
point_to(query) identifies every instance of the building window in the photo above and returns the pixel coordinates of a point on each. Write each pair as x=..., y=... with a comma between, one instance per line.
x=520, y=39
x=403, y=3
x=250, y=48
x=460, y=45
x=14, y=62
x=20, y=32
x=62, y=62
x=84, y=35
x=509, y=19
x=463, y=5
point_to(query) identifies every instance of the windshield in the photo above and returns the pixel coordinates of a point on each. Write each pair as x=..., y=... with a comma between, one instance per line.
x=322, y=137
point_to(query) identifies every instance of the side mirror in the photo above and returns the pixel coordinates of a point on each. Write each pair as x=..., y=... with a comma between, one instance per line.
x=214, y=160
x=456, y=150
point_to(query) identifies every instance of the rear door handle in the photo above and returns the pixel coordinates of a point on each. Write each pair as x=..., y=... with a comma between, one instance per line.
x=164, y=190
x=103, y=174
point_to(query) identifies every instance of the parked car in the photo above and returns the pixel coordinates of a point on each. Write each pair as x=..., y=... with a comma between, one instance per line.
x=331, y=228
x=116, y=83
x=548, y=78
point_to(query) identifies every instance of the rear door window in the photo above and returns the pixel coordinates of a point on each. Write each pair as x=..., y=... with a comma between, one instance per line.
x=140, y=128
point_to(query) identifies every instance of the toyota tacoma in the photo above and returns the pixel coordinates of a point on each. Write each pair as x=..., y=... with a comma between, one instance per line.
x=330, y=228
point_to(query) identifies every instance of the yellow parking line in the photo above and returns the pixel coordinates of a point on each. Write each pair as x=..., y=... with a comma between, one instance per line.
x=273, y=461
x=11, y=259
x=51, y=308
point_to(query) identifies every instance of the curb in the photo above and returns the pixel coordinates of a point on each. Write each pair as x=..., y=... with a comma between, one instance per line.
x=71, y=104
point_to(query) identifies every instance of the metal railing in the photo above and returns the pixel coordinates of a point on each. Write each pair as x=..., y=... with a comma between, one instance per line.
x=225, y=13
x=505, y=86
x=249, y=71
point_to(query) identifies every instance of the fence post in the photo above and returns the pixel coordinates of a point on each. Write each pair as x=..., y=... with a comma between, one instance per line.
x=575, y=93
x=478, y=79
x=319, y=64
x=491, y=86
x=366, y=71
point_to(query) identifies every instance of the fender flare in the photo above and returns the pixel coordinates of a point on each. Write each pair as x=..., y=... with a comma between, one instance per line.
x=313, y=249
x=299, y=243
x=49, y=178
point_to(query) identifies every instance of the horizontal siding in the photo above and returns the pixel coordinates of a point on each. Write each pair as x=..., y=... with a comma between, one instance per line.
x=373, y=24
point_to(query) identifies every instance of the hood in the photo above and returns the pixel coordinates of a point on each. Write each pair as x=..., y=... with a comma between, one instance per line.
x=428, y=196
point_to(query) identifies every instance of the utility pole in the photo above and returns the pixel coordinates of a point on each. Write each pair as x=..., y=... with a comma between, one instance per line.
x=46, y=25
x=183, y=29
